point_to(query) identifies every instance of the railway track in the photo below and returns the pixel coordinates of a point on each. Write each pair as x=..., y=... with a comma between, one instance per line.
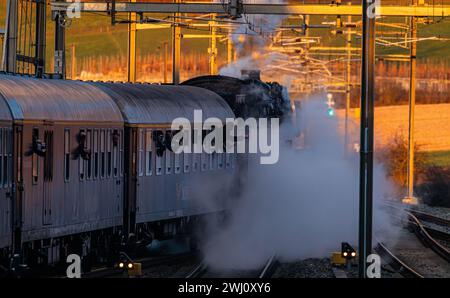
x=423, y=216
x=427, y=234
x=430, y=218
x=398, y=265
x=145, y=263
x=202, y=270
x=428, y=229
x=424, y=235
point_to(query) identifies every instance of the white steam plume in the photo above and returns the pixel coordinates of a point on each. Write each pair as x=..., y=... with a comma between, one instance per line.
x=304, y=206
x=257, y=32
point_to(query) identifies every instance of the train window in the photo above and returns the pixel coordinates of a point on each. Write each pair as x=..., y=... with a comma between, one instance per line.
x=148, y=152
x=7, y=161
x=10, y=157
x=81, y=167
x=141, y=153
x=18, y=160
x=115, y=158
x=48, y=158
x=89, y=148
x=95, y=144
x=35, y=159
x=66, y=155
x=6, y=138
x=121, y=154
x=108, y=153
x=159, y=164
x=168, y=161
x=1, y=156
x=81, y=162
x=160, y=151
x=102, y=153
x=134, y=152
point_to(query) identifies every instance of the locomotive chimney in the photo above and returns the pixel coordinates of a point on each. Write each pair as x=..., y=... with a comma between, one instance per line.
x=250, y=74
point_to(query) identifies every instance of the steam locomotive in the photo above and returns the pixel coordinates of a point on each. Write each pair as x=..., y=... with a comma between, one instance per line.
x=87, y=168
x=247, y=96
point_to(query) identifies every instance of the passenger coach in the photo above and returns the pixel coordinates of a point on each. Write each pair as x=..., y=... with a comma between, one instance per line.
x=68, y=180
x=88, y=167
x=165, y=190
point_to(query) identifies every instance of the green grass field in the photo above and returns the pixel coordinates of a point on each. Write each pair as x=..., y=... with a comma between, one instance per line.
x=438, y=158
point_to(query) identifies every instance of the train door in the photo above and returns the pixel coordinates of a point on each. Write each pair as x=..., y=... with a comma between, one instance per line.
x=117, y=168
x=130, y=173
x=48, y=175
x=17, y=196
x=6, y=179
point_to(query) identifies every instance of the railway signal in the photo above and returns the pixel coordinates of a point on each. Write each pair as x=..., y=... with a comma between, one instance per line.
x=330, y=112
x=131, y=268
x=330, y=104
x=347, y=251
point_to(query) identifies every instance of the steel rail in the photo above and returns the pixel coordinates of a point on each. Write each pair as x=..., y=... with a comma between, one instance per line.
x=395, y=262
x=198, y=271
x=146, y=263
x=270, y=267
x=429, y=241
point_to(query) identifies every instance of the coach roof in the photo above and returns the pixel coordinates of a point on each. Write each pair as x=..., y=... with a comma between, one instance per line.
x=56, y=100
x=159, y=104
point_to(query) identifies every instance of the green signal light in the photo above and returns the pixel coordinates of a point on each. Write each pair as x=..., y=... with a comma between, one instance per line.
x=330, y=112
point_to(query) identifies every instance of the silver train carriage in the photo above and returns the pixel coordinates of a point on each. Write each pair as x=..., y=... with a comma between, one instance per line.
x=86, y=163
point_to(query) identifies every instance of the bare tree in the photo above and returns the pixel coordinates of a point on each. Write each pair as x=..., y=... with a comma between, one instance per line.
x=394, y=156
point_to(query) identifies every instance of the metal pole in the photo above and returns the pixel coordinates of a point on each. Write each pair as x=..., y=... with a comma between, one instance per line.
x=60, y=49
x=73, y=63
x=410, y=199
x=41, y=19
x=213, y=47
x=348, y=89
x=307, y=83
x=10, y=40
x=166, y=46
x=367, y=131
x=132, y=47
x=176, y=48
x=229, y=49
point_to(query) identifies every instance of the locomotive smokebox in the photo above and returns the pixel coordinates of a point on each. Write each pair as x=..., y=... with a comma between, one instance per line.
x=250, y=74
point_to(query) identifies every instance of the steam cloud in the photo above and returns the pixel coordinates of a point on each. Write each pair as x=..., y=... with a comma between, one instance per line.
x=257, y=35
x=303, y=206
